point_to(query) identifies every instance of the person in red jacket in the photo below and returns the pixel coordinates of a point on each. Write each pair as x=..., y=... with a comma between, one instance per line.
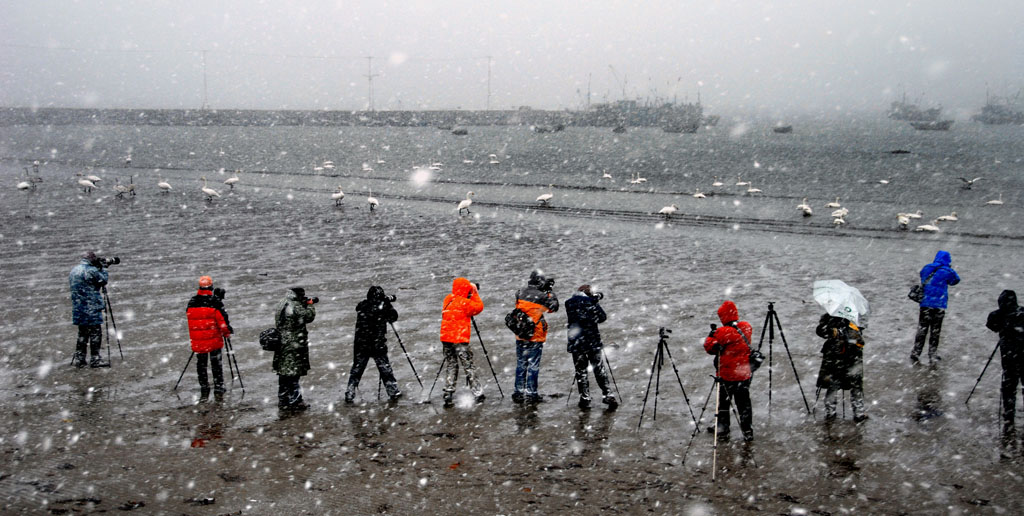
x=730, y=344
x=207, y=327
x=457, y=313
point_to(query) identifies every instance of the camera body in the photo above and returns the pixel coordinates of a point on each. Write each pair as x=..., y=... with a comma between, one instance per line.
x=597, y=295
x=664, y=333
x=107, y=262
x=548, y=285
x=392, y=298
x=311, y=300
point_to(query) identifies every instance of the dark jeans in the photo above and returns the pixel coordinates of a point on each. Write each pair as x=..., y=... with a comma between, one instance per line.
x=91, y=336
x=1013, y=375
x=929, y=320
x=289, y=393
x=580, y=360
x=527, y=366
x=216, y=365
x=740, y=392
x=359, y=361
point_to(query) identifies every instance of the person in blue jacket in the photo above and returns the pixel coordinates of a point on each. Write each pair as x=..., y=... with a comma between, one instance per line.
x=87, y=280
x=936, y=278
x=584, y=314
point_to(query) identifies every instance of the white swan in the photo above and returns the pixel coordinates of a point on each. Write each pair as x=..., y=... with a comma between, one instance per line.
x=699, y=194
x=372, y=201
x=903, y=220
x=367, y=167
x=86, y=185
x=841, y=212
x=741, y=182
x=95, y=179
x=968, y=183
x=338, y=196
x=948, y=218
x=916, y=215
x=466, y=203
x=752, y=190
x=232, y=180
x=717, y=182
x=24, y=185
x=884, y=181
x=606, y=176
x=929, y=228
x=833, y=204
x=210, y=192
x=996, y=202
x=544, y=199
x=493, y=159
x=164, y=185
x=120, y=188
x=668, y=211
x=838, y=221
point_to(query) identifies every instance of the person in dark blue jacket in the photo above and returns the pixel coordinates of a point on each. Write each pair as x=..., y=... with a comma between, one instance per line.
x=1008, y=321
x=87, y=280
x=584, y=314
x=936, y=277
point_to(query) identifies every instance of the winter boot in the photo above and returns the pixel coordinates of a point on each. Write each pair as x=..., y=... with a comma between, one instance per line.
x=517, y=398
x=97, y=361
x=449, y=399
x=78, y=360
x=350, y=397
x=481, y=397
x=395, y=396
x=584, y=403
x=610, y=401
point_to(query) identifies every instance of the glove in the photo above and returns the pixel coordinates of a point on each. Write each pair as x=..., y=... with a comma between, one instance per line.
x=716, y=349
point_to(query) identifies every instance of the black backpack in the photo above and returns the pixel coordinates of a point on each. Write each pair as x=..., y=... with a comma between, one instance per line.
x=270, y=338
x=521, y=324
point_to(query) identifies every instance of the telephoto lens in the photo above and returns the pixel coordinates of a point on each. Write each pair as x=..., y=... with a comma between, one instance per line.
x=599, y=295
x=219, y=293
x=313, y=300
x=107, y=262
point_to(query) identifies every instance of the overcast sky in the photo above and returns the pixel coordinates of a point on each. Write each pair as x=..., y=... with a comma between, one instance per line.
x=769, y=57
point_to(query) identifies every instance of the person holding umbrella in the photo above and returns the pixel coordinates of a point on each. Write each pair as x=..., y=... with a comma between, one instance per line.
x=842, y=357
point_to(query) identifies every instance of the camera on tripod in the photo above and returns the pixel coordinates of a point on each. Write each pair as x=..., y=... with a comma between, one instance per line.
x=664, y=333
x=107, y=262
x=311, y=300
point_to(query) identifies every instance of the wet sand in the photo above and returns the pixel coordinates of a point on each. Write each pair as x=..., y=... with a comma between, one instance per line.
x=98, y=440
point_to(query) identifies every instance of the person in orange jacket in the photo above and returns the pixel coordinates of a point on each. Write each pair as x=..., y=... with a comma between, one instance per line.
x=457, y=313
x=207, y=327
x=730, y=343
x=536, y=300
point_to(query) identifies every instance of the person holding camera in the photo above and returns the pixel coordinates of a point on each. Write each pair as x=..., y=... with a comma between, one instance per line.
x=583, y=314
x=373, y=315
x=842, y=364
x=207, y=328
x=457, y=314
x=291, y=360
x=87, y=280
x=1008, y=321
x=536, y=300
x=730, y=343
x=936, y=277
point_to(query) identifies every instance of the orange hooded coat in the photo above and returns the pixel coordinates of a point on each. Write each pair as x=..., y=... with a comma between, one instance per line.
x=458, y=309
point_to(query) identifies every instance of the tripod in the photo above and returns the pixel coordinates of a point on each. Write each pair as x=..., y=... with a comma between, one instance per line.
x=990, y=357
x=110, y=312
x=771, y=321
x=231, y=357
x=659, y=360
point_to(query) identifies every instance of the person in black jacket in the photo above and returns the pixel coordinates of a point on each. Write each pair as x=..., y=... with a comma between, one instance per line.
x=1008, y=321
x=373, y=315
x=584, y=314
x=842, y=364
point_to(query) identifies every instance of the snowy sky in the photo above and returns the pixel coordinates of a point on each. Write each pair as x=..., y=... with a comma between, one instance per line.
x=771, y=57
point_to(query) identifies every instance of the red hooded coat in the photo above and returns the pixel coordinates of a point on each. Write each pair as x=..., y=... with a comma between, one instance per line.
x=735, y=364
x=206, y=325
x=458, y=309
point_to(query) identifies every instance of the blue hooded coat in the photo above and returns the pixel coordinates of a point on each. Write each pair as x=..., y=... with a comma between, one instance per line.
x=935, y=292
x=87, y=303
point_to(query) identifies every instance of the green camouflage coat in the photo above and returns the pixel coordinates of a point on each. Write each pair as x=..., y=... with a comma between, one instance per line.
x=291, y=317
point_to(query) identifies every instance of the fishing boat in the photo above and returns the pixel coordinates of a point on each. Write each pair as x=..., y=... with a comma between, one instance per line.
x=782, y=129
x=935, y=125
x=1000, y=111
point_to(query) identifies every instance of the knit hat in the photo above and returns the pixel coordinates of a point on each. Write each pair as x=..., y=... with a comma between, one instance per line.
x=585, y=289
x=205, y=282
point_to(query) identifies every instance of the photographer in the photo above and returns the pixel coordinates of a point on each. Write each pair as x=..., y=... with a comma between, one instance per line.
x=87, y=280
x=842, y=364
x=207, y=328
x=291, y=360
x=730, y=343
x=584, y=314
x=1008, y=321
x=372, y=317
x=457, y=314
x=536, y=300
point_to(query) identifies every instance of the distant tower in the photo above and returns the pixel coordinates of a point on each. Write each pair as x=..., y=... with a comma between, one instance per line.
x=369, y=81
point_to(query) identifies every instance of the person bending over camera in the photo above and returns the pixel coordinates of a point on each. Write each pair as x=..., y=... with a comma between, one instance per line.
x=583, y=314
x=536, y=300
x=730, y=343
x=457, y=314
x=842, y=364
x=291, y=360
x=207, y=328
x=373, y=315
x=87, y=280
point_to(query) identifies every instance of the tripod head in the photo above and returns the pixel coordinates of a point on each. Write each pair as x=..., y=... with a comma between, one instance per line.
x=663, y=333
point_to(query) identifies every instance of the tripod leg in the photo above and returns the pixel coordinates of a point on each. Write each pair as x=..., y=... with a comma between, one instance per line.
x=980, y=376
x=696, y=429
x=714, y=449
x=568, y=396
x=678, y=379
x=227, y=353
x=182, y=375
x=649, y=381
x=657, y=380
x=792, y=363
x=234, y=358
x=113, y=322
x=611, y=374
x=443, y=362
x=407, y=357
x=488, y=357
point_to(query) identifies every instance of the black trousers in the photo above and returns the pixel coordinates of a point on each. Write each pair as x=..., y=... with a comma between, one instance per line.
x=1013, y=375
x=740, y=393
x=218, y=370
x=359, y=361
x=91, y=337
x=580, y=361
x=289, y=392
x=930, y=320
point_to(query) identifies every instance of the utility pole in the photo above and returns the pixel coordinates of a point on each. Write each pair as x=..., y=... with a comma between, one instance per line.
x=489, y=58
x=206, y=104
x=589, y=76
x=369, y=80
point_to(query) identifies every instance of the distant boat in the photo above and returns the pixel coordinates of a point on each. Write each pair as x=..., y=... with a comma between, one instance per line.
x=903, y=110
x=999, y=111
x=460, y=131
x=937, y=125
x=619, y=129
x=782, y=129
x=681, y=127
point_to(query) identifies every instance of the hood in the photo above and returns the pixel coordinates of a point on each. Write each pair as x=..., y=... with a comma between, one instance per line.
x=1008, y=300
x=728, y=313
x=296, y=293
x=943, y=258
x=537, y=278
x=375, y=293
x=461, y=287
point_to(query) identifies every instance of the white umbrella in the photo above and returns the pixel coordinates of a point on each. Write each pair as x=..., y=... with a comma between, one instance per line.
x=841, y=300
